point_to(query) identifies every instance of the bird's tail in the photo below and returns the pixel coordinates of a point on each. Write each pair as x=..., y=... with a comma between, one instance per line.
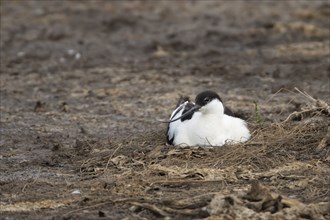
x=182, y=100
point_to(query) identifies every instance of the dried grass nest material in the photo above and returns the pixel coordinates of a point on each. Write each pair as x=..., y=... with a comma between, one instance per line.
x=258, y=203
x=290, y=158
x=315, y=107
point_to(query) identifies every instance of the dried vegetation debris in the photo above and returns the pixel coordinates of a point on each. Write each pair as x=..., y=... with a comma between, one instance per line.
x=312, y=108
x=284, y=156
x=283, y=162
x=260, y=203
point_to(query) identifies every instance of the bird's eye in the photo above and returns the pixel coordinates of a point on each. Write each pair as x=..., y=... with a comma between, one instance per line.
x=206, y=100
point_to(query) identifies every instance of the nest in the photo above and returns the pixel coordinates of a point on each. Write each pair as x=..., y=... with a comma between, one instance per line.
x=289, y=157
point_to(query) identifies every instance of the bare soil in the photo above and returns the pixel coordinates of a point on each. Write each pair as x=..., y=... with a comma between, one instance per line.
x=82, y=84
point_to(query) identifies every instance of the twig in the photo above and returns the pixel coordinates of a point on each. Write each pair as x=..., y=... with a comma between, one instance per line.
x=113, y=153
x=296, y=114
x=167, y=211
x=180, y=182
x=34, y=180
x=305, y=94
x=318, y=105
x=318, y=102
x=323, y=142
x=152, y=208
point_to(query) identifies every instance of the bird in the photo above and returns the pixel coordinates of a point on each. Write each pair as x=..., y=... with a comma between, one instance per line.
x=205, y=122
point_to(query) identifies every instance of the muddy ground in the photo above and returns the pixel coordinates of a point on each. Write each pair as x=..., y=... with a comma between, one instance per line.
x=82, y=84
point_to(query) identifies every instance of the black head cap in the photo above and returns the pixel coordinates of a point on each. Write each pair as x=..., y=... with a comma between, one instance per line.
x=205, y=97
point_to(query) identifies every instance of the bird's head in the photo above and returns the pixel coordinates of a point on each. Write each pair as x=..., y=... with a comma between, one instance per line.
x=207, y=102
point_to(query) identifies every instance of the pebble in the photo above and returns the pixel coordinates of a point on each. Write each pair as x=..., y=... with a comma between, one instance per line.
x=76, y=192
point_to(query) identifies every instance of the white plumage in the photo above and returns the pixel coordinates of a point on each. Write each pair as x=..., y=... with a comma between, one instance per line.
x=205, y=123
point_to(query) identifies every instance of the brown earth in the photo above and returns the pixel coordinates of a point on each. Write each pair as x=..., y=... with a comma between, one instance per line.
x=82, y=84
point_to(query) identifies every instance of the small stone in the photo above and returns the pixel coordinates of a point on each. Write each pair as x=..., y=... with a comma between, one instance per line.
x=21, y=54
x=76, y=192
x=77, y=56
x=71, y=52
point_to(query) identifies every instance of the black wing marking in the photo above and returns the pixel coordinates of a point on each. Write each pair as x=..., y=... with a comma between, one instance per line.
x=187, y=107
x=170, y=141
x=181, y=100
x=229, y=112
